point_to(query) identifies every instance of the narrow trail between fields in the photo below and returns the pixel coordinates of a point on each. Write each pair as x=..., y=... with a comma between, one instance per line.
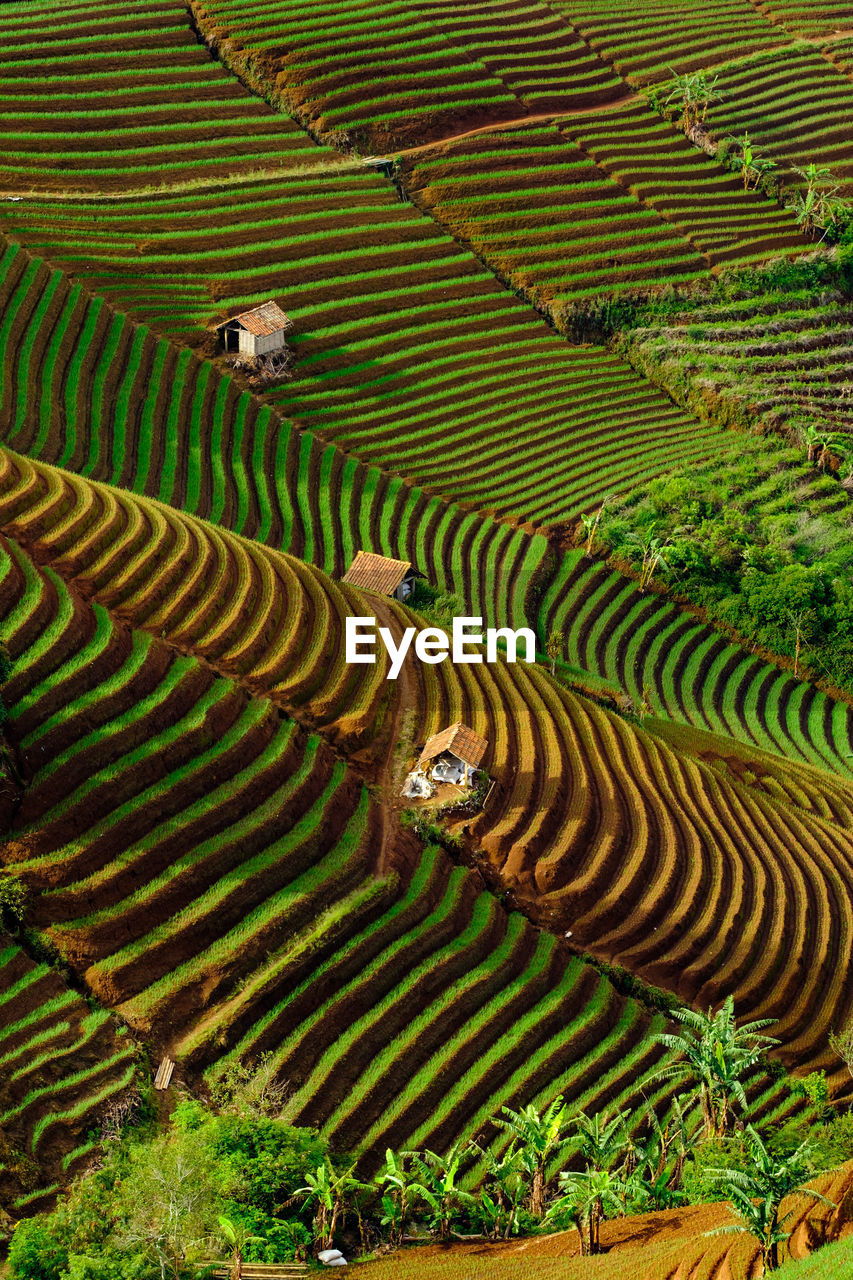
x=502, y=125
x=402, y=698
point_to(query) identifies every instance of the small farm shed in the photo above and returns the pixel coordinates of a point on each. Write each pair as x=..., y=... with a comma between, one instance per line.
x=377, y=573
x=381, y=164
x=256, y=332
x=457, y=752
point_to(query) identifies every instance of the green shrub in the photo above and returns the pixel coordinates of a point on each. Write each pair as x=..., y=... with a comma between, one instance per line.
x=37, y=1250
x=14, y=901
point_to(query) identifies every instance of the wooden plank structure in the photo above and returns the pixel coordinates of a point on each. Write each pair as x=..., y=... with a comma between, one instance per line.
x=263, y=1270
x=491, y=796
x=163, y=1078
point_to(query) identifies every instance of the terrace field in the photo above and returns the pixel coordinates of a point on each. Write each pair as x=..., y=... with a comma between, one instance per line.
x=211, y=870
x=649, y=1246
x=390, y=74
x=715, y=824
x=216, y=875
x=200, y=795
x=390, y=409
x=62, y=1062
x=115, y=403
x=780, y=360
x=596, y=204
x=81, y=93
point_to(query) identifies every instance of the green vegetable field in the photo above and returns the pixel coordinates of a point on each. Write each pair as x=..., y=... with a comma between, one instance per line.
x=549, y=306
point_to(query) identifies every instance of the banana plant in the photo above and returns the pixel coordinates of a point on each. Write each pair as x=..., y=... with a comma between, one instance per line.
x=589, y=1198
x=328, y=1190
x=819, y=207
x=438, y=1189
x=695, y=93
x=602, y=1139
x=396, y=1188
x=749, y=162
x=756, y=1194
x=717, y=1053
x=542, y=1138
x=507, y=1181
x=238, y=1238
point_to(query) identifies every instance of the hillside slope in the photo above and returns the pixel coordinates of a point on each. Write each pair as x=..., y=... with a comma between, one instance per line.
x=82, y=386
x=222, y=879
x=703, y=881
x=694, y=1241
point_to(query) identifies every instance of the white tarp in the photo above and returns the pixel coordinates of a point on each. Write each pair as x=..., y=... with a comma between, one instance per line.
x=449, y=769
x=418, y=786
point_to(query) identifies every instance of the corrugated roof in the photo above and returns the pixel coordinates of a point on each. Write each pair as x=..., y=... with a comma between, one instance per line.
x=265, y=319
x=376, y=573
x=460, y=741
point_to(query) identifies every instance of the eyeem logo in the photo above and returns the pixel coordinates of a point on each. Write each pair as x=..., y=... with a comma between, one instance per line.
x=434, y=645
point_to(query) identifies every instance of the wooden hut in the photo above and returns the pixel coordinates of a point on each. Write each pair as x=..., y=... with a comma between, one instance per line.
x=456, y=751
x=257, y=332
x=372, y=572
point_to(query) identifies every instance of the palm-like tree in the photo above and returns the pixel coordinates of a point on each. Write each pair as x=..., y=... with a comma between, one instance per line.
x=819, y=207
x=813, y=441
x=602, y=1140
x=749, y=161
x=717, y=1053
x=541, y=1137
x=328, y=1190
x=651, y=548
x=505, y=1187
x=590, y=525
x=660, y=1154
x=757, y=1195
x=695, y=93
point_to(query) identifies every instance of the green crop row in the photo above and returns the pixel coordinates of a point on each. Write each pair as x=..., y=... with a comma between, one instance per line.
x=56, y=1050
x=398, y=51
x=658, y=39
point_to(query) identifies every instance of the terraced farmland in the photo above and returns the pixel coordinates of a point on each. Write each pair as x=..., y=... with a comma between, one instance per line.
x=688, y=670
x=827, y=18
x=120, y=98
x=655, y=1245
x=795, y=105
x=62, y=1063
x=209, y=869
x=269, y=480
x=646, y=155
x=209, y=818
x=597, y=825
x=384, y=74
x=509, y=382
x=85, y=388
x=604, y=204
x=783, y=361
x=542, y=214
x=657, y=38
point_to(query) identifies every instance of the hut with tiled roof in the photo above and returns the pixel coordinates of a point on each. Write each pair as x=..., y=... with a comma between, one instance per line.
x=257, y=332
x=457, y=752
